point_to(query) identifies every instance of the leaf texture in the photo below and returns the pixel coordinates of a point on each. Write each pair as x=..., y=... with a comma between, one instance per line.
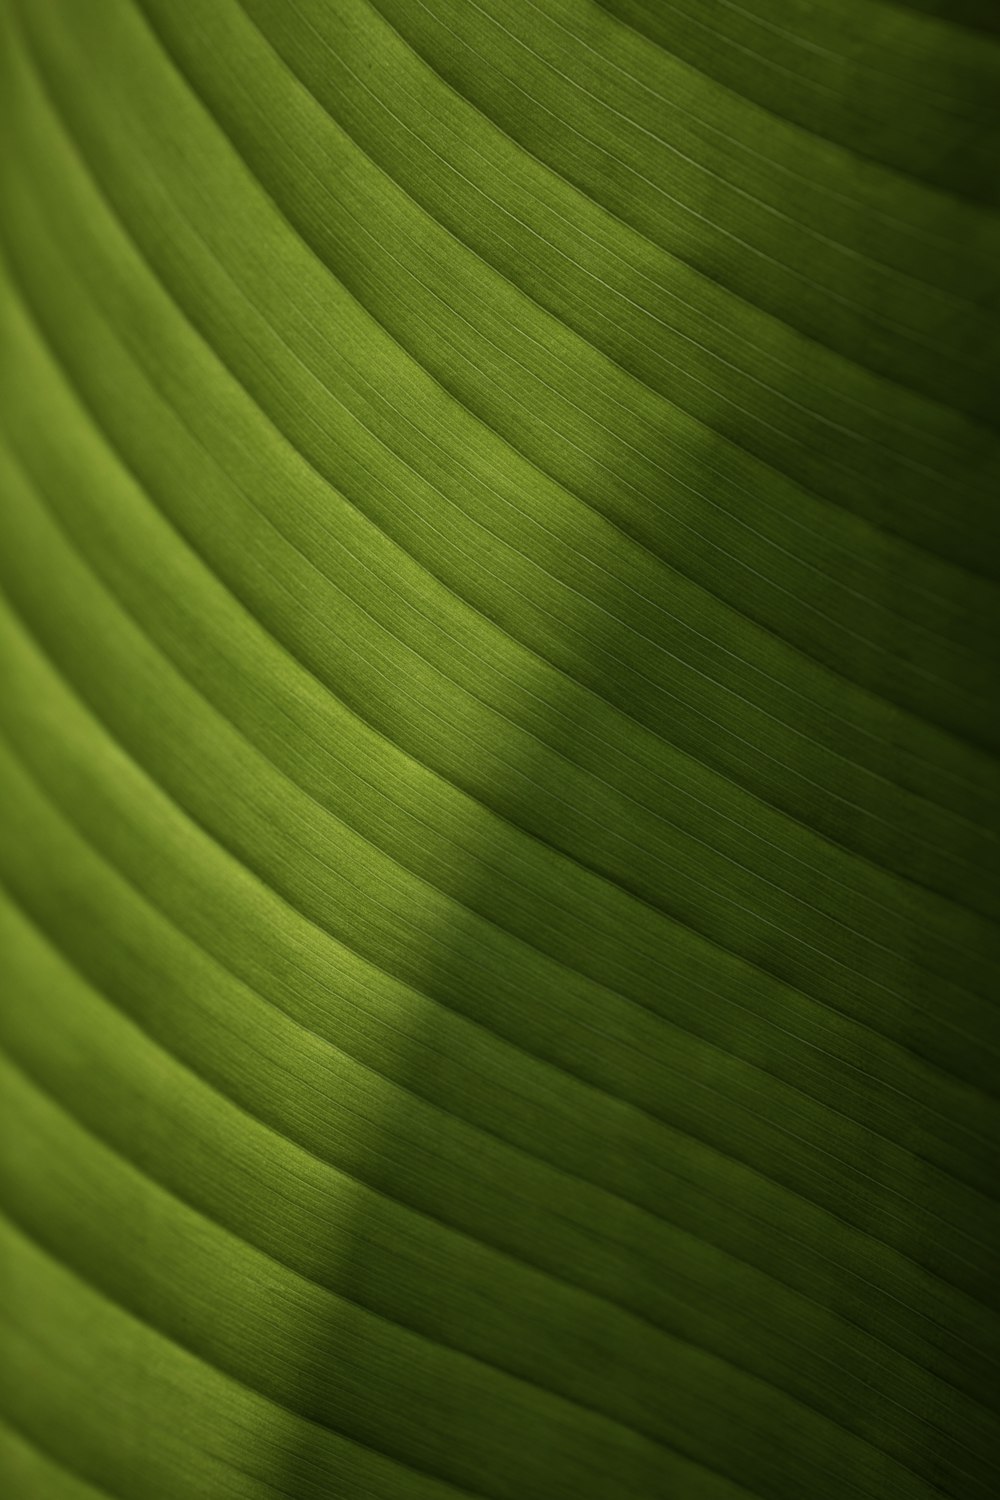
x=499, y=573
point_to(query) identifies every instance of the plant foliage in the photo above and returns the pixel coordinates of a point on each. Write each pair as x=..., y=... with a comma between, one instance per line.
x=499, y=562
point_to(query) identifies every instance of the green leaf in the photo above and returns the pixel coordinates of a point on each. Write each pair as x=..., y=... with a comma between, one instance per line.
x=499, y=565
